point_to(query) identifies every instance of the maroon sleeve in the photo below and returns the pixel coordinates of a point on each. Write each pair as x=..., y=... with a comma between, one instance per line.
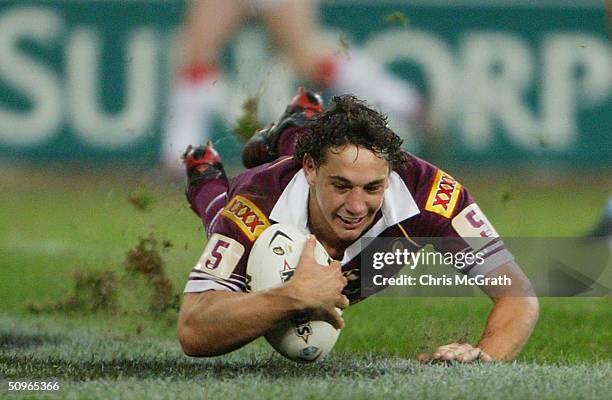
x=452, y=222
x=222, y=265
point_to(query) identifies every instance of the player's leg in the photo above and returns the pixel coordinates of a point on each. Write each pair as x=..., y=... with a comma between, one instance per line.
x=208, y=25
x=207, y=183
x=195, y=93
x=294, y=25
x=278, y=139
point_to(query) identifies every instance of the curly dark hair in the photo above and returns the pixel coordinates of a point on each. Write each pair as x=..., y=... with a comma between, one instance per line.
x=350, y=121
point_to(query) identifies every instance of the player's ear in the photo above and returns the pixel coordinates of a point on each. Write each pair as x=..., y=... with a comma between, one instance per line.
x=310, y=169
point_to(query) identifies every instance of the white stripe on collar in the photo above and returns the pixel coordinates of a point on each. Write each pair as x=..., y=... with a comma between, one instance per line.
x=292, y=208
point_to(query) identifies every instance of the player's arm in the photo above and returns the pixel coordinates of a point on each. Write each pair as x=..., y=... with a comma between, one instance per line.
x=509, y=325
x=215, y=322
x=513, y=317
x=212, y=323
x=515, y=310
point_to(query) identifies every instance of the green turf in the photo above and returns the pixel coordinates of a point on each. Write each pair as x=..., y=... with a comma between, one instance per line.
x=95, y=363
x=59, y=223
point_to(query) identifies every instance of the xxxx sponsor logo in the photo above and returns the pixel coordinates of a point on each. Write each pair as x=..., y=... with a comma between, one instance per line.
x=247, y=216
x=443, y=195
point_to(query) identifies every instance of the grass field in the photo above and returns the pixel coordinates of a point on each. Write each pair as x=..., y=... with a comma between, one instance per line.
x=57, y=222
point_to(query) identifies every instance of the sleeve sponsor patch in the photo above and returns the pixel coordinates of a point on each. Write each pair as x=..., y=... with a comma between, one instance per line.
x=247, y=216
x=474, y=227
x=443, y=195
x=220, y=256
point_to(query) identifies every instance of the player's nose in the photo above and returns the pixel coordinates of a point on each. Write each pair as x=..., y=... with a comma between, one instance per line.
x=355, y=203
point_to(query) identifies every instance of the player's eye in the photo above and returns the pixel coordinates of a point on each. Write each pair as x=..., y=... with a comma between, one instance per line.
x=373, y=188
x=341, y=187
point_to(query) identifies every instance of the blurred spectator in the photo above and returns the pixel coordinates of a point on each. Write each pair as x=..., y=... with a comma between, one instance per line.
x=293, y=24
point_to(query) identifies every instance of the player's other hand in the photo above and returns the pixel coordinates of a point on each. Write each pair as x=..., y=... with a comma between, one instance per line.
x=318, y=288
x=460, y=352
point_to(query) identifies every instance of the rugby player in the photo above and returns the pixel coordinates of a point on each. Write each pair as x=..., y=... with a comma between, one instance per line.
x=341, y=175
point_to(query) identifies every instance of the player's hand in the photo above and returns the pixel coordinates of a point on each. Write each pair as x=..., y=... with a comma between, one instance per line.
x=318, y=287
x=460, y=352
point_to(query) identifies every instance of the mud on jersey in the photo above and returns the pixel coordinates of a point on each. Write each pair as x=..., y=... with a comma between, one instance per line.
x=422, y=201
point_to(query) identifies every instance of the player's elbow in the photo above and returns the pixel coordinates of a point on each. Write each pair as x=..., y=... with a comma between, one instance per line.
x=187, y=339
x=194, y=333
x=196, y=342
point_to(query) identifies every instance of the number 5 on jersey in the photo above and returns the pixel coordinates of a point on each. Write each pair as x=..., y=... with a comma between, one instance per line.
x=220, y=256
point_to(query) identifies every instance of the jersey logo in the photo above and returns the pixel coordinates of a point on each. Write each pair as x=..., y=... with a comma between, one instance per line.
x=287, y=271
x=443, y=195
x=247, y=216
x=220, y=256
x=302, y=327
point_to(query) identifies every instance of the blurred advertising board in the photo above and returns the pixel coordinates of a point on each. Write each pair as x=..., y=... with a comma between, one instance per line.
x=506, y=80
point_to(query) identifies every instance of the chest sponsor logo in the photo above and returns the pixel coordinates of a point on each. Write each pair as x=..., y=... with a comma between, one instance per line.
x=443, y=195
x=247, y=216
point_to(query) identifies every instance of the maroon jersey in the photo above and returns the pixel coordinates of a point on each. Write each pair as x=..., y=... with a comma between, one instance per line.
x=422, y=201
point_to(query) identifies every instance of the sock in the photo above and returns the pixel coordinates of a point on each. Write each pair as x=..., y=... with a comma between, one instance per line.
x=194, y=97
x=358, y=74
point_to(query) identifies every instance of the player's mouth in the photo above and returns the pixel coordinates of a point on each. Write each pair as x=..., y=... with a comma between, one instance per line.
x=351, y=223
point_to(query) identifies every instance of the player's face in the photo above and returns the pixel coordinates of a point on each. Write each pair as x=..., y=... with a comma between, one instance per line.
x=346, y=192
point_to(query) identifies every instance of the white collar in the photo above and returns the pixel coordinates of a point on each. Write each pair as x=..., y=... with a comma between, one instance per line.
x=292, y=208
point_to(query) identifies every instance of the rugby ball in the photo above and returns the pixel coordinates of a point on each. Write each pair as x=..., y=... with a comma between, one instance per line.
x=273, y=259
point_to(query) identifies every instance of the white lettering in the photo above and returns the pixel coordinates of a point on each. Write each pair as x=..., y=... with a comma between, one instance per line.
x=498, y=71
x=32, y=79
x=563, y=88
x=482, y=280
x=437, y=62
x=138, y=115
